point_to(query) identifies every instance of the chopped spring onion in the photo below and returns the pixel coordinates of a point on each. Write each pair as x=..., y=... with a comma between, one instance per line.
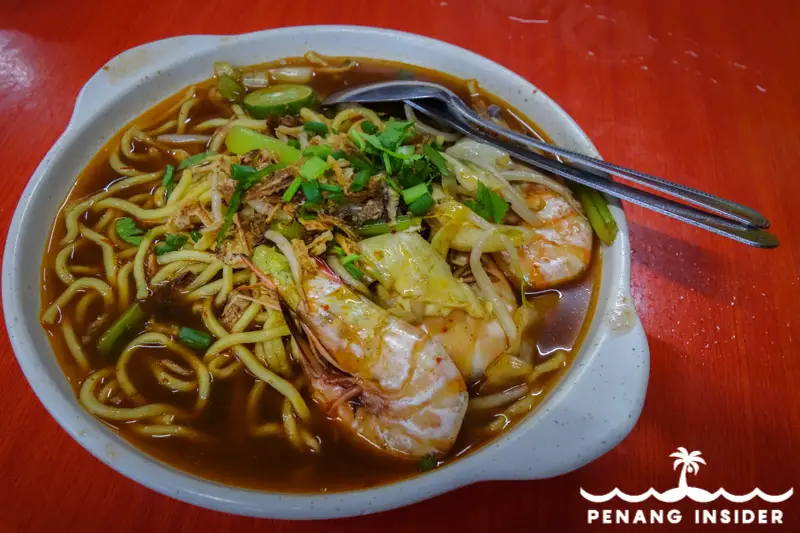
x=194, y=160
x=330, y=188
x=346, y=260
x=316, y=127
x=322, y=151
x=596, y=208
x=311, y=190
x=354, y=271
x=339, y=154
x=198, y=340
x=433, y=155
x=370, y=229
x=313, y=168
x=360, y=180
x=168, y=181
x=412, y=194
x=422, y=205
x=195, y=235
x=128, y=231
x=292, y=190
x=133, y=317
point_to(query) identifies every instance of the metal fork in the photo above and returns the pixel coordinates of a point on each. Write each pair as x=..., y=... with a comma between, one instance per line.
x=441, y=104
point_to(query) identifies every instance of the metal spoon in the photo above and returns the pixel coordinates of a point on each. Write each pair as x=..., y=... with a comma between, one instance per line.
x=721, y=226
x=409, y=91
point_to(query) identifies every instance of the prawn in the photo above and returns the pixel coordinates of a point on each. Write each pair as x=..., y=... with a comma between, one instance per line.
x=561, y=249
x=475, y=342
x=387, y=383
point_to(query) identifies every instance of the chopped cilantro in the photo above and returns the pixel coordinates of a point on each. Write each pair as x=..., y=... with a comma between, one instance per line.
x=488, y=204
x=171, y=243
x=128, y=231
x=368, y=127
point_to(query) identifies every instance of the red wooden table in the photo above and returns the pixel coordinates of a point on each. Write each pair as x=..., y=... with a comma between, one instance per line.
x=706, y=92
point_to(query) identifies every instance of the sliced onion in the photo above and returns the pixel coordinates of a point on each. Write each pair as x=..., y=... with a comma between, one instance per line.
x=255, y=80
x=183, y=138
x=428, y=130
x=348, y=278
x=285, y=247
x=223, y=68
x=488, y=291
x=531, y=176
x=499, y=399
x=216, y=201
x=292, y=74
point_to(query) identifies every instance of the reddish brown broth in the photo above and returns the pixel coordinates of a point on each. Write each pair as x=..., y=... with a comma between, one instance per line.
x=272, y=463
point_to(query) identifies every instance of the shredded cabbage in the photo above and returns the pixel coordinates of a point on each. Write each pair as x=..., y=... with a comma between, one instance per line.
x=408, y=267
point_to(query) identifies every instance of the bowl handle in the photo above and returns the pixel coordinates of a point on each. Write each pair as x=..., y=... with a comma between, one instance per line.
x=603, y=404
x=130, y=68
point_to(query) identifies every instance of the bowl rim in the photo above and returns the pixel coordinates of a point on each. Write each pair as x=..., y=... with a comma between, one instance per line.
x=187, y=487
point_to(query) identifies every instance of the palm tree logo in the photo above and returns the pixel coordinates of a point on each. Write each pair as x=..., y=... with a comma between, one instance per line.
x=690, y=463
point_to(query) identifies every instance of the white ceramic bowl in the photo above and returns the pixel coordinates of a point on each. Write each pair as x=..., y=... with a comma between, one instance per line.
x=591, y=410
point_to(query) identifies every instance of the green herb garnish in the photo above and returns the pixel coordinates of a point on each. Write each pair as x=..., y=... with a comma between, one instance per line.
x=311, y=190
x=195, y=235
x=488, y=204
x=128, y=231
x=422, y=205
x=316, y=127
x=322, y=151
x=412, y=194
x=313, y=168
x=171, y=243
x=195, y=159
x=168, y=181
x=133, y=318
x=330, y=188
x=245, y=178
x=294, y=143
x=368, y=127
x=289, y=193
x=433, y=155
x=428, y=462
x=198, y=340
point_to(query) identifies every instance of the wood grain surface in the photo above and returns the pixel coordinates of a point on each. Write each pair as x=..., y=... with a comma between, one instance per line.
x=704, y=92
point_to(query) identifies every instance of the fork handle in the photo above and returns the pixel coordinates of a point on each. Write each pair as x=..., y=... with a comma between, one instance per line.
x=715, y=204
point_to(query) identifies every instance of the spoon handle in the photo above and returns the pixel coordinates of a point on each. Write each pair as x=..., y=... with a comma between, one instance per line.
x=715, y=204
x=736, y=231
